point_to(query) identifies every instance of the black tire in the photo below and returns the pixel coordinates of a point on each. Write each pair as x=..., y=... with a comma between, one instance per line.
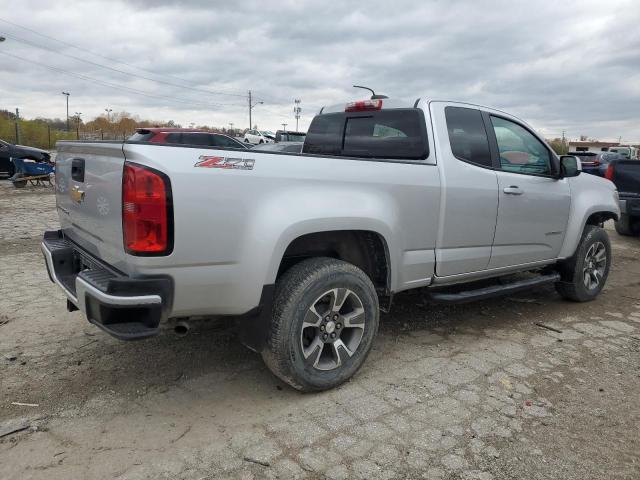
x=261, y=141
x=627, y=225
x=306, y=285
x=246, y=140
x=19, y=183
x=574, y=276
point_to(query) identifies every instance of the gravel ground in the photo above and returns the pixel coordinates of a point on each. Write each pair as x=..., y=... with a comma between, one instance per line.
x=472, y=392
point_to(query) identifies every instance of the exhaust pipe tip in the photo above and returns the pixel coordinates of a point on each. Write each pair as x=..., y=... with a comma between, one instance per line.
x=181, y=328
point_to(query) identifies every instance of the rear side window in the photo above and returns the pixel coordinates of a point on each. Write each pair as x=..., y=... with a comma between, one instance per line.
x=174, y=138
x=391, y=134
x=467, y=135
x=197, y=139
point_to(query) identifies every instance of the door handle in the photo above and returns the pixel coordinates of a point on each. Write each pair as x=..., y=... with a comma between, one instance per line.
x=513, y=190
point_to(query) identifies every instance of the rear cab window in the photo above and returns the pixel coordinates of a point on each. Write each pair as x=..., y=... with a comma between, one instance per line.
x=393, y=134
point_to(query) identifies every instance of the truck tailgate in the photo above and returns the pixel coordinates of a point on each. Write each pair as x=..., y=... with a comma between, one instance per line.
x=89, y=197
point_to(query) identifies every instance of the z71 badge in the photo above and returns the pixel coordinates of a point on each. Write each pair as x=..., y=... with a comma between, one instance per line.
x=207, y=161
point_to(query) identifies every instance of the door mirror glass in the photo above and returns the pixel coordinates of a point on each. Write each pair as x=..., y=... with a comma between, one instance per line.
x=570, y=166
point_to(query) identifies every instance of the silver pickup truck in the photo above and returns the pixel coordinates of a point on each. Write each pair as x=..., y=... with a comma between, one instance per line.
x=306, y=248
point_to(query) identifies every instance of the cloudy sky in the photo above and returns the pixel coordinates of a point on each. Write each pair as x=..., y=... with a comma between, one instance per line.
x=571, y=65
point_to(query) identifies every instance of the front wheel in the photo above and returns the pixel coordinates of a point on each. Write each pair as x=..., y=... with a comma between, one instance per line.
x=325, y=317
x=584, y=274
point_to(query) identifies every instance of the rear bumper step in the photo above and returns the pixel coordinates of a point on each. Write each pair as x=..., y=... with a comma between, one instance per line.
x=127, y=308
x=494, y=290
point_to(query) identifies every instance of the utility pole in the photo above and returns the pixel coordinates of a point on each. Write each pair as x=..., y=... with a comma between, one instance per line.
x=232, y=130
x=251, y=105
x=297, y=110
x=563, y=150
x=17, y=126
x=78, y=125
x=67, y=95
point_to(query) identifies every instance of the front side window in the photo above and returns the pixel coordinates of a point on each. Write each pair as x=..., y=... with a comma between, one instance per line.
x=520, y=151
x=467, y=135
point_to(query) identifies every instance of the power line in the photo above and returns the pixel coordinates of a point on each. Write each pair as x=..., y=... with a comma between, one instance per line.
x=200, y=90
x=109, y=59
x=118, y=87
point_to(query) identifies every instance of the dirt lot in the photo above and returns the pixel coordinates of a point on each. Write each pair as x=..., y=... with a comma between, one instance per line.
x=473, y=392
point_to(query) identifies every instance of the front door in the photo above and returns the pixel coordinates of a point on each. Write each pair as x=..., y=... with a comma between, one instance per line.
x=533, y=208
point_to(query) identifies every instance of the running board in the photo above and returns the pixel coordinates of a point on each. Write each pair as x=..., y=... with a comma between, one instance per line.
x=494, y=290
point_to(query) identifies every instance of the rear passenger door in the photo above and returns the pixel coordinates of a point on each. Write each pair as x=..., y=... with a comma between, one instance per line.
x=469, y=203
x=534, y=204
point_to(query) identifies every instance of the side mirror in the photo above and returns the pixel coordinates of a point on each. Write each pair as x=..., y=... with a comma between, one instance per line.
x=570, y=166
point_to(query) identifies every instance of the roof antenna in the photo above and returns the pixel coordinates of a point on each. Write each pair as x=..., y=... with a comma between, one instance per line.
x=373, y=94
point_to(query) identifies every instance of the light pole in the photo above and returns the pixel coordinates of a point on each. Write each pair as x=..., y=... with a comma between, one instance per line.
x=78, y=125
x=251, y=105
x=284, y=126
x=108, y=110
x=232, y=131
x=297, y=110
x=67, y=95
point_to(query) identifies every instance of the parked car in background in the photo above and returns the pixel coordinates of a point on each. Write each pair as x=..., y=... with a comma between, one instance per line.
x=185, y=136
x=596, y=163
x=625, y=174
x=9, y=151
x=286, y=147
x=286, y=136
x=632, y=153
x=259, y=136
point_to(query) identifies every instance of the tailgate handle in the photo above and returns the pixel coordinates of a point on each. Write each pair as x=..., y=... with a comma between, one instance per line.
x=77, y=169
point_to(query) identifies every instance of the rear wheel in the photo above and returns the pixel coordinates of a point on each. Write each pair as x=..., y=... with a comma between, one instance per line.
x=627, y=225
x=584, y=274
x=325, y=317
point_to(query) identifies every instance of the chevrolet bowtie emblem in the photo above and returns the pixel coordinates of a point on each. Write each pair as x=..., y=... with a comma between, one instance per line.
x=77, y=195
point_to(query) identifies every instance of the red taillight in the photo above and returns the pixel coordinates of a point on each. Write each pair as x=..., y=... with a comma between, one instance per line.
x=363, y=106
x=608, y=174
x=596, y=163
x=146, y=207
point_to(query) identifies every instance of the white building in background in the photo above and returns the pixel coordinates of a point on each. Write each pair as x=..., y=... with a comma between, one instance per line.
x=591, y=146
